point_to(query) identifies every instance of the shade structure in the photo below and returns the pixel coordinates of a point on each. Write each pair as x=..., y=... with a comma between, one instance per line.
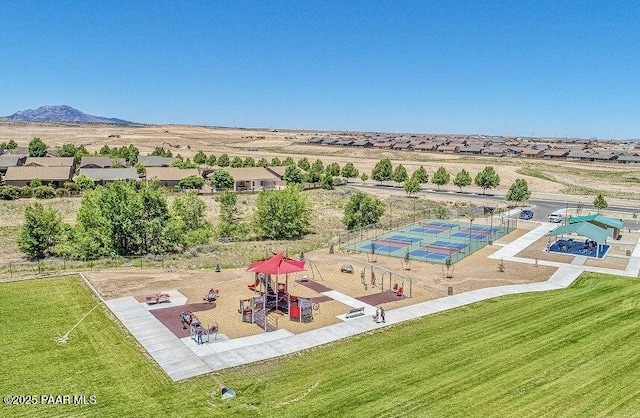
x=278, y=264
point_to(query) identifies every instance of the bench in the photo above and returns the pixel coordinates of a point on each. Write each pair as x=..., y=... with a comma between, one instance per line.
x=158, y=298
x=355, y=312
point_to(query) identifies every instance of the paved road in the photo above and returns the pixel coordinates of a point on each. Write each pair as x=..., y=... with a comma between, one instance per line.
x=542, y=207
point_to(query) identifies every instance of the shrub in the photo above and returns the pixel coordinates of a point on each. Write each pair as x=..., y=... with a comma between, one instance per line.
x=9, y=193
x=44, y=192
x=61, y=192
x=70, y=185
x=26, y=191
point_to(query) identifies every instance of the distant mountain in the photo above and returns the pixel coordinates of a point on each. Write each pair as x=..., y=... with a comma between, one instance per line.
x=62, y=113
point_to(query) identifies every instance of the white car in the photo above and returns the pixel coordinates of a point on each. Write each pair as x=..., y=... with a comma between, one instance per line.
x=555, y=218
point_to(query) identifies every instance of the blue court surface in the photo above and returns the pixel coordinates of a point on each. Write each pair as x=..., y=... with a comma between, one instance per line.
x=382, y=248
x=442, y=223
x=483, y=228
x=402, y=238
x=449, y=244
x=420, y=253
x=470, y=235
x=426, y=230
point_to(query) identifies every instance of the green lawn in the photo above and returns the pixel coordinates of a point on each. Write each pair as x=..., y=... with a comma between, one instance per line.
x=573, y=352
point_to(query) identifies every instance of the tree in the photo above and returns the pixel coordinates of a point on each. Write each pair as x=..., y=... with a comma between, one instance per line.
x=333, y=169
x=85, y=182
x=40, y=232
x=440, y=177
x=223, y=160
x=262, y=162
x=236, y=162
x=487, y=179
x=519, y=191
x=227, y=225
x=288, y=161
x=9, y=145
x=383, y=170
x=293, y=174
x=303, y=163
x=200, y=158
x=191, y=182
x=71, y=150
x=411, y=185
x=211, y=160
x=44, y=192
x=283, y=214
x=37, y=148
x=364, y=177
x=188, y=210
x=421, y=175
x=463, y=179
x=317, y=165
x=249, y=162
x=327, y=181
x=349, y=171
x=161, y=152
x=221, y=180
x=141, y=170
x=600, y=203
x=399, y=174
x=313, y=176
x=362, y=210
x=275, y=162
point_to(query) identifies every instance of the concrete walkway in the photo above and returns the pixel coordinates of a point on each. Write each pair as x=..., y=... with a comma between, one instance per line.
x=182, y=359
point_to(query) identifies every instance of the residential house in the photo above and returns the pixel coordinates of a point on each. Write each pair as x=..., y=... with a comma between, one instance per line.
x=170, y=176
x=11, y=160
x=23, y=175
x=49, y=162
x=364, y=143
x=449, y=149
x=495, y=151
x=102, y=162
x=344, y=142
x=253, y=179
x=556, y=153
x=532, y=153
x=404, y=145
x=107, y=175
x=470, y=150
x=155, y=161
x=628, y=159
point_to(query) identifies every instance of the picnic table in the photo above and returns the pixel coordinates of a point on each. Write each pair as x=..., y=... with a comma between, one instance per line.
x=158, y=298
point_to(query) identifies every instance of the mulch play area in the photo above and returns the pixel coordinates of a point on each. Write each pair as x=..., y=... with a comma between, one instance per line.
x=170, y=317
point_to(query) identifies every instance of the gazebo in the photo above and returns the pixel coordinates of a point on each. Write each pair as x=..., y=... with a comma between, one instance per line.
x=587, y=230
x=600, y=221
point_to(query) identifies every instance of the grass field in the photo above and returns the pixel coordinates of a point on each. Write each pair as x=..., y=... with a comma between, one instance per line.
x=564, y=353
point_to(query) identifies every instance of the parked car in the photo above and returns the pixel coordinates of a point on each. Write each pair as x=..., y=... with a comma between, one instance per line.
x=555, y=218
x=526, y=214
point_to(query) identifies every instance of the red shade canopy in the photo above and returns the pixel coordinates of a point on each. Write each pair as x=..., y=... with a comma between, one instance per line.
x=278, y=264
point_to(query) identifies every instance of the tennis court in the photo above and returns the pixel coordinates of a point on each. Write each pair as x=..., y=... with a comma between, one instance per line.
x=432, y=241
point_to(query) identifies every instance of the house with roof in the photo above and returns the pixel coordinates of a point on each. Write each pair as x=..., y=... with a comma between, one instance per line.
x=170, y=176
x=449, y=149
x=253, y=179
x=470, y=150
x=345, y=142
x=23, y=175
x=622, y=159
x=11, y=160
x=404, y=145
x=103, y=176
x=49, y=162
x=556, y=153
x=532, y=153
x=155, y=161
x=364, y=143
x=102, y=162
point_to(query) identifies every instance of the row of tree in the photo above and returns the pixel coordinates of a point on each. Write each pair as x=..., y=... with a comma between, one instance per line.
x=126, y=218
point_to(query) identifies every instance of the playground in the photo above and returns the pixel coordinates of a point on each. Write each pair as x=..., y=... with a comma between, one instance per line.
x=387, y=282
x=433, y=241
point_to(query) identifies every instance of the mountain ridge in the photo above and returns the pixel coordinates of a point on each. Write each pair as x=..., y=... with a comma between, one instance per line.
x=63, y=113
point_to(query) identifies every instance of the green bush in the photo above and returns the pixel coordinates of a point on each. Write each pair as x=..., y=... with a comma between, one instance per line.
x=61, y=192
x=26, y=191
x=72, y=186
x=9, y=193
x=44, y=192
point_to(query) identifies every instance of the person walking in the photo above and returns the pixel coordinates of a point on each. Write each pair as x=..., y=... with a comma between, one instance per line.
x=382, y=313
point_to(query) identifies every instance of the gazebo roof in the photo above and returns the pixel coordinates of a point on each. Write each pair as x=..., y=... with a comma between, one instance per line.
x=596, y=217
x=584, y=229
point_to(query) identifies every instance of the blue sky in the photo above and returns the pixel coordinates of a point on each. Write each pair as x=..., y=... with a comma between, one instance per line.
x=507, y=68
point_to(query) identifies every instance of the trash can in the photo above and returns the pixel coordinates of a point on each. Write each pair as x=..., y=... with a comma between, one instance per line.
x=450, y=290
